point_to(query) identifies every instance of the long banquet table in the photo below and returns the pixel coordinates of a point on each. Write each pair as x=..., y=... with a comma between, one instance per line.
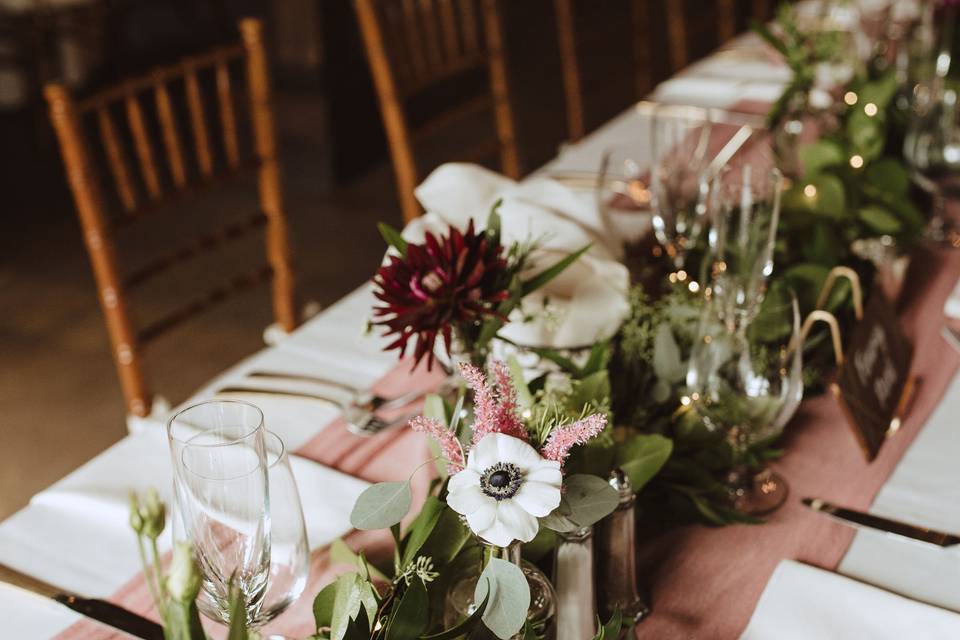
x=704, y=582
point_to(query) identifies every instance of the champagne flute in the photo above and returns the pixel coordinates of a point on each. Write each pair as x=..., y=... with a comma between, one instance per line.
x=744, y=206
x=678, y=179
x=623, y=195
x=746, y=382
x=223, y=502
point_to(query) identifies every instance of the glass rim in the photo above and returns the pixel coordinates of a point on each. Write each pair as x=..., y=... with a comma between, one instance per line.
x=211, y=401
x=281, y=454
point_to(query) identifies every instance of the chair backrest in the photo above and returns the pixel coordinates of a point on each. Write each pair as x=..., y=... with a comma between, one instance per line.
x=642, y=17
x=168, y=171
x=415, y=45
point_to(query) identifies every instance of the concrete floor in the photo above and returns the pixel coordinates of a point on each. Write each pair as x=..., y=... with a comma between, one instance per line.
x=60, y=400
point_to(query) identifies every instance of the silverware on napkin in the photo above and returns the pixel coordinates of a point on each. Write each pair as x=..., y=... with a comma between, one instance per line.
x=869, y=521
x=361, y=419
x=93, y=608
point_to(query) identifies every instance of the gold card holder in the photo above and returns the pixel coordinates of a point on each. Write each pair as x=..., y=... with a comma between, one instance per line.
x=873, y=384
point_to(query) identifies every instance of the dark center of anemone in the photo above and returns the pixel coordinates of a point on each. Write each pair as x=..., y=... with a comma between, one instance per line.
x=501, y=481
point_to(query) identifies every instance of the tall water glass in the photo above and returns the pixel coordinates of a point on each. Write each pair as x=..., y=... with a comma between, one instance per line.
x=223, y=501
x=289, y=548
x=744, y=215
x=678, y=181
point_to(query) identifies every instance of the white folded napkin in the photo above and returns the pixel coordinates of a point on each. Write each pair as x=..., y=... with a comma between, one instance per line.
x=539, y=209
x=587, y=302
x=76, y=534
x=802, y=602
x=28, y=615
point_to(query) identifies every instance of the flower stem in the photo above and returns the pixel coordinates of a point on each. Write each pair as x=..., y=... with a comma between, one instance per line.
x=151, y=585
x=161, y=585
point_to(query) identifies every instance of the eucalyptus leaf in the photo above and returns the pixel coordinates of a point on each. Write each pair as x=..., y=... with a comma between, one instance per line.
x=559, y=519
x=642, y=456
x=382, y=505
x=589, y=498
x=509, y=595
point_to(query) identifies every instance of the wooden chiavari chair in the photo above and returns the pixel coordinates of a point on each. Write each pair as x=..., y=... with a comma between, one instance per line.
x=642, y=17
x=413, y=45
x=142, y=188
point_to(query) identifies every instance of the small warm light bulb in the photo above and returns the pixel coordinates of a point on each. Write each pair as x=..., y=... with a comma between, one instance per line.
x=685, y=400
x=856, y=161
x=850, y=98
x=693, y=286
x=870, y=109
x=810, y=191
x=681, y=275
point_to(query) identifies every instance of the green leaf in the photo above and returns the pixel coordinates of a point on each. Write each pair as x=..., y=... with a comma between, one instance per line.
x=559, y=519
x=393, y=238
x=509, y=595
x=820, y=154
x=590, y=498
x=462, y=629
x=323, y=606
x=409, y=618
x=524, y=397
x=550, y=273
x=879, y=220
x=830, y=198
x=446, y=540
x=382, y=505
x=642, y=457
x=493, y=221
x=421, y=528
x=434, y=407
x=346, y=605
x=889, y=175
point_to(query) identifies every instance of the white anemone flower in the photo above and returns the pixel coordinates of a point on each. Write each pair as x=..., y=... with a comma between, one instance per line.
x=504, y=488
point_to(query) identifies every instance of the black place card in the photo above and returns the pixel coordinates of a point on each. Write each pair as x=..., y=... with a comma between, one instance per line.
x=873, y=384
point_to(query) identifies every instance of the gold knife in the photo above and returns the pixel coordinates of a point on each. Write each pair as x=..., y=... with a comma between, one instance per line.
x=894, y=527
x=94, y=608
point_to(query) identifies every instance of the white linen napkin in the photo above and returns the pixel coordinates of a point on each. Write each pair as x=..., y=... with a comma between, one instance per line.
x=802, y=602
x=587, y=302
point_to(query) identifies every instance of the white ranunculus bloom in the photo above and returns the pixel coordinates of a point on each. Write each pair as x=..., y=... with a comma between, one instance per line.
x=504, y=488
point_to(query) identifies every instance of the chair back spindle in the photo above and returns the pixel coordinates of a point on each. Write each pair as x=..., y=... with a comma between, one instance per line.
x=415, y=46
x=154, y=115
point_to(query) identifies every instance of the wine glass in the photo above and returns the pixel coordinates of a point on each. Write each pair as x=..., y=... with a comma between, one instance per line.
x=745, y=381
x=678, y=180
x=289, y=548
x=744, y=205
x=623, y=193
x=932, y=142
x=223, y=500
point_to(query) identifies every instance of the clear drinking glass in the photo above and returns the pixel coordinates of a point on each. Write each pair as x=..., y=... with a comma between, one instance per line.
x=289, y=548
x=222, y=500
x=623, y=192
x=932, y=142
x=678, y=180
x=746, y=382
x=744, y=206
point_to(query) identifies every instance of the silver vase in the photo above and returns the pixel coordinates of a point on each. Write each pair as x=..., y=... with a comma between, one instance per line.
x=617, y=557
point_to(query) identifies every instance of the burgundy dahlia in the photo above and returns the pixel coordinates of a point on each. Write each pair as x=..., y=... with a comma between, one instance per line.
x=443, y=285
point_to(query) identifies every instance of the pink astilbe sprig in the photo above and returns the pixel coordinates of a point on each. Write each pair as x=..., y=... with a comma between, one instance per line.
x=494, y=406
x=562, y=439
x=449, y=445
